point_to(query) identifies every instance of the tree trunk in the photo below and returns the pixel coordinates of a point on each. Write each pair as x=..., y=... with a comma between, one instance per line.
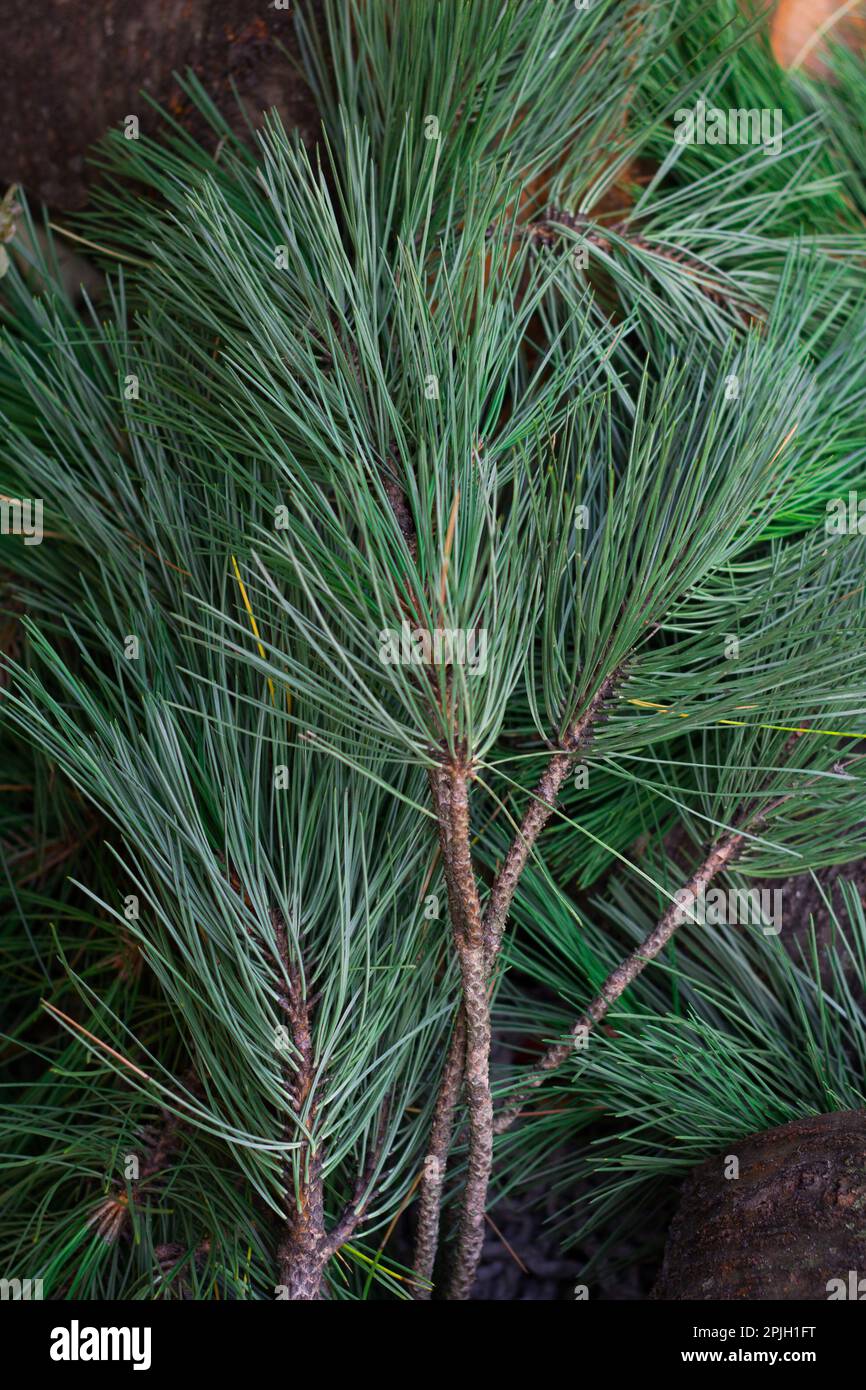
x=80, y=68
x=790, y=1224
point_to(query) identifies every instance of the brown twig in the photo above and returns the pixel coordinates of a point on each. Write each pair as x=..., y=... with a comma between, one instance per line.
x=112, y=1217
x=302, y=1254
x=433, y=1177
x=619, y=980
x=449, y=786
x=541, y=808
x=545, y=230
x=538, y=813
x=719, y=857
x=170, y=1255
x=306, y=1244
x=354, y=1209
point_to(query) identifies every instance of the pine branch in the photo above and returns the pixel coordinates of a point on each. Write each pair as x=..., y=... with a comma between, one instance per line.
x=303, y=1251
x=353, y=1212
x=113, y=1217
x=171, y=1254
x=312, y=386
x=449, y=786
x=619, y=979
x=541, y=807
x=394, y=491
x=539, y=811
x=545, y=231
x=307, y=1245
x=399, y=504
x=720, y=856
x=436, y=1158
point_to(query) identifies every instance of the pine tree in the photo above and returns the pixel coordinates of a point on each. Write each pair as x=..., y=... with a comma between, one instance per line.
x=434, y=523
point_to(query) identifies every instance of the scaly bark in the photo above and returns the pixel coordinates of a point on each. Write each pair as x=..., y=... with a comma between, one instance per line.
x=302, y=1251
x=436, y=1158
x=789, y=1228
x=306, y=1244
x=449, y=786
x=541, y=807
